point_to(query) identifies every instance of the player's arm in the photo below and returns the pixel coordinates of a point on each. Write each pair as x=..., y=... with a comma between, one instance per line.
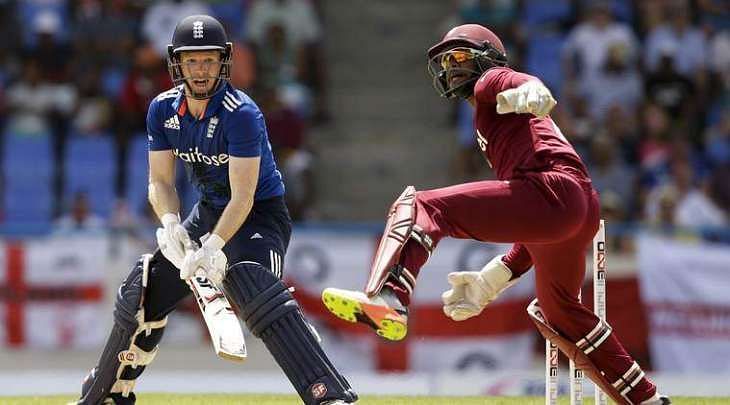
x=161, y=190
x=243, y=174
x=514, y=92
x=161, y=187
x=172, y=238
x=518, y=259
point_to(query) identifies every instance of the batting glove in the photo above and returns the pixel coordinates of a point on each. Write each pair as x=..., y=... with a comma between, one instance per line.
x=209, y=258
x=172, y=239
x=530, y=97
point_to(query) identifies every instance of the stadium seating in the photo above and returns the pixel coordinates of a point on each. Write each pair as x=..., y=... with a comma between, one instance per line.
x=137, y=169
x=90, y=165
x=543, y=59
x=28, y=169
x=540, y=12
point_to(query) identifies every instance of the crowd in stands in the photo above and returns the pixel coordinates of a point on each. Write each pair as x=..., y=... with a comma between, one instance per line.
x=76, y=78
x=643, y=92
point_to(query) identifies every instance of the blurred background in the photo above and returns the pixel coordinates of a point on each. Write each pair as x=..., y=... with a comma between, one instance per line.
x=643, y=90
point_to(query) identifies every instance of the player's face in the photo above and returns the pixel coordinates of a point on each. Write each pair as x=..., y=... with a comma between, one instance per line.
x=201, y=69
x=458, y=63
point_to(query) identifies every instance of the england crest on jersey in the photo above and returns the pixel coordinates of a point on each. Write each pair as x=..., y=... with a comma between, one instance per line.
x=212, y=124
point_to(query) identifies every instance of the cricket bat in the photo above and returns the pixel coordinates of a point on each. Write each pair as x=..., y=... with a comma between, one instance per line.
x=223, y=325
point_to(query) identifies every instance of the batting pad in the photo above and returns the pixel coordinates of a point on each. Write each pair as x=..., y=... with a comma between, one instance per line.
x=132, y=344
x=272, y=315
x=574, y=352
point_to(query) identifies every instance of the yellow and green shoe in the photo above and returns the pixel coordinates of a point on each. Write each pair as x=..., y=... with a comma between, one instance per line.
x=384, y=313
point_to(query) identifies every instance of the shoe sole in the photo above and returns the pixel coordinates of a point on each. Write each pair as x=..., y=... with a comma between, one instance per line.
x=387, y=323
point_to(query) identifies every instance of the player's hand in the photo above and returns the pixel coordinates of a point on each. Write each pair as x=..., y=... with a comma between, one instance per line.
x=531, y=97
x=172, y=239
x=209, y=259
x=466, y=298
x=471, y=291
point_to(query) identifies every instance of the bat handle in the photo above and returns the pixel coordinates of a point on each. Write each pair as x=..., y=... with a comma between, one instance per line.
x=190, y=248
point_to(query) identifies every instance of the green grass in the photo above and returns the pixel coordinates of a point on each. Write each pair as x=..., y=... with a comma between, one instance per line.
x=171, y=399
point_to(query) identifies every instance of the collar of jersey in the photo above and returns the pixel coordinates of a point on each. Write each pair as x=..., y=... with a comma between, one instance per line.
x=180, y=104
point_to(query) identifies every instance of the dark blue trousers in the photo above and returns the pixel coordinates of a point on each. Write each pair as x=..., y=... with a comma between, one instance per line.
x=263, y=239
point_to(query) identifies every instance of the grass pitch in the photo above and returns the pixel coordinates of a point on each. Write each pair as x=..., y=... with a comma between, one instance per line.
x=200, y=399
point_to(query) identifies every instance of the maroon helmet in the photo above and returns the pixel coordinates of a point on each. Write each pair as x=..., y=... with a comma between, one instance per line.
x=452, y=77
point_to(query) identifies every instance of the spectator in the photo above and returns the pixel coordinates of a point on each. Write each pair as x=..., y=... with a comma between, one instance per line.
x=289, y=31
x=286, y=131
x=278, y=60
x=609, y=173
x=693, y=208
x=29, y=101
x=668, y=88
x=40, y=108
x=79, y=218
x=663, y=203
x=677, y=32
x=573, y=118
x=615, y=211
x=298, y=16
x=243, y=76
x=95, y=110
x=621, y=127
x=654, y=151
x=51, y=54
x=617, y=83
x=587, y=47
x=720, y=61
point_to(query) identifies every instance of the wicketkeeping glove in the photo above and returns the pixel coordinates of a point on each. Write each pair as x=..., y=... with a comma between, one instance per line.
x=530, y=97
x=471, y=291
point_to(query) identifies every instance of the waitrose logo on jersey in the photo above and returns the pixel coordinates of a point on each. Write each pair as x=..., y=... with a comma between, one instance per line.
x=194, y=156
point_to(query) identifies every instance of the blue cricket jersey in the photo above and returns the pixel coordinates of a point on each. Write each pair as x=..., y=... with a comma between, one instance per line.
x=232, y=125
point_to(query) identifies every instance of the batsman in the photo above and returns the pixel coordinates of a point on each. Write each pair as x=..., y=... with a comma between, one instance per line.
x=543, y=202
x=241, y=219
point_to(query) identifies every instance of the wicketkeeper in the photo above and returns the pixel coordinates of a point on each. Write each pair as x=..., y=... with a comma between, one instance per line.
x=543, y=202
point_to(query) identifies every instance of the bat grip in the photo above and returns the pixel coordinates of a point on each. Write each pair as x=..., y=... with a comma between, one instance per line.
x=190, y=247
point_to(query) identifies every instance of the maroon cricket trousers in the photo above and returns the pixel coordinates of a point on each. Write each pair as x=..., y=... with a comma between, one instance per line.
x=552, y=217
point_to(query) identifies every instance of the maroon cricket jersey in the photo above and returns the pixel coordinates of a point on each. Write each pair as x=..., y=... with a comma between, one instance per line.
x=518, y=143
